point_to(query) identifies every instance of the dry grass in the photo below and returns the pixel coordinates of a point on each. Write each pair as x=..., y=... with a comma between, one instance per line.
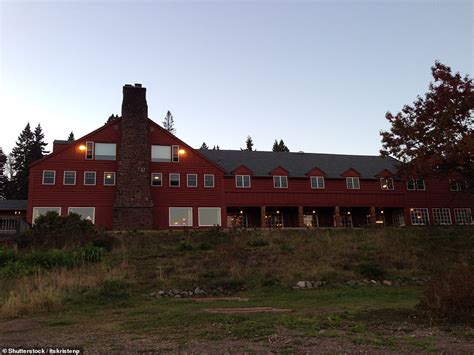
x=45, y=291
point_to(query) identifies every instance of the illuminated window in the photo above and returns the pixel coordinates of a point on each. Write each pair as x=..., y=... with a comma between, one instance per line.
x=49, y=177
x=87, y=213
x=386, y=184
x=180, y=216
x=280, y=182
x=209, y=216
x=352, y=183
x=69, y=178
x=160, y=153
x=89, y=150
x=242, y=181
x=317, y=182
x=208, y=180
x=192, y=180
x=175, y=152
x=419, y=216
x=441, y=216
x=109, y=178
x=174, y=180
x=463, y=216
x=105, y=151
x=156, y=179
x=89, y=177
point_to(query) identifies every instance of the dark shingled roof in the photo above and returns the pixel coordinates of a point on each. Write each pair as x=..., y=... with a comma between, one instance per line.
x=8, y=205
x=298, y=164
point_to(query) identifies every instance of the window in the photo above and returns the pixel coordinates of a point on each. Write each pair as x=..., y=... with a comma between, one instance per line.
x=109, y=178
x=174, y=180
x=89, y=150
x=463, y=216
x=242, y=181
x=175, y=157
x=411, y=185
x=87, y=213
x=441, y=216
x=41, y=211
x=280, y=182
x=105, y=151
x=180, y=216
x=49, y=177
x=209, y=216
x=352, y=183
x=160, y=153
x=192, y=180
x=317, y=182
x=69, y=178
x=89, y=178
x=386, y=184
x=156, y=179
x=208, y=180
x=455, y=185
x=419, y=216
x=418, y=184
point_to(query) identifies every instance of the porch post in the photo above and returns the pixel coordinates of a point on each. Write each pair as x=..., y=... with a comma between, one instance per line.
x=338, y=218
x=373, y=217
x=263, y=220
x=301, y=217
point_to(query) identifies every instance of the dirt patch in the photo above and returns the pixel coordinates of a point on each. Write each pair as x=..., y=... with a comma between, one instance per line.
x=248, y=310
x=216, y=299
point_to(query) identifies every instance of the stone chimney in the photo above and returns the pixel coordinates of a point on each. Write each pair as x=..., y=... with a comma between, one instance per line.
x=133, y=206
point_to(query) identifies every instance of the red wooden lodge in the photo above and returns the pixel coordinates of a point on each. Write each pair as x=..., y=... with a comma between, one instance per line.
x=133, y=174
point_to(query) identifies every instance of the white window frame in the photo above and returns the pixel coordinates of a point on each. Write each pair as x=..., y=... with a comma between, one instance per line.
x=114, y=175
x=109, y=157
x=442, y=216
x=210, y=208
x=190, y=224
x=92, y=150
x=161, y=179
x=242, y=177
x=161, y=160
x=458, y=185
x=277, y=181
x=187, y=180
x=54, y=177
x=169, y=179
x=388, y=182
x=465, y=212
x=414, y=184
x=317, y=178
x=95, y=178
x=64, y=177
x=93, y=214
x=415, y=212
x=352, y=179
x=175, y=153
x=213, y=181
x=35, y=208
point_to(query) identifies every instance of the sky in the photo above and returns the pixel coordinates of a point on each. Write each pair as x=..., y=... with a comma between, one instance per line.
x=318, y=74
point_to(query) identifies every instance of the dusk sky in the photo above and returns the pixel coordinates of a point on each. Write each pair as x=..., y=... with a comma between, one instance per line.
x=320, y=75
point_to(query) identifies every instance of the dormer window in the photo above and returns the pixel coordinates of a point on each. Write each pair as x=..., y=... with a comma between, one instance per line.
x=242, y=181
x=455, y=185
x=352, y=183
x=416, y=184
x=386, y=184
x=280, y=182
x=317, y=182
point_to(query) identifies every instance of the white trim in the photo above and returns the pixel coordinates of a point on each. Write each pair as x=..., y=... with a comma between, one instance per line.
x=169, y=179
x=54, y=177
x=316, y=177
x=243, y=182
x=161, y=179
x=465, y=209
x=280, y=179
x=213, y=181
x=93, y=214
x=64, y=177
x=424, y=185
x=414, y=185
x=93, y=151
x=95, y=178
x=115, y=177
x=34, y=208
x=388, y=181
x=420, y=210
x=209, y=208
x=180, y=225
x=353, y=178
x=440, y=212
x=187, y=180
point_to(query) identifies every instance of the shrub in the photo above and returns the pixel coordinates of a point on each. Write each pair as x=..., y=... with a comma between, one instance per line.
x=257, y=243
x=185, y=246
x=6, y=255
x=372, y=270
x=451, y=295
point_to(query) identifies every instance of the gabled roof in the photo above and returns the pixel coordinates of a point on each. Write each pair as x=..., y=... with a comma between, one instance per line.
x=298, y=164
x=10, y=205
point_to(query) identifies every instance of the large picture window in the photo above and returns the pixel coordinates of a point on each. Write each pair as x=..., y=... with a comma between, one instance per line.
x=87, y=213
x=41, y=211
x=209, y=216
x=105, y=151
x=180, y=217
x=463, y=216
x=161, y=153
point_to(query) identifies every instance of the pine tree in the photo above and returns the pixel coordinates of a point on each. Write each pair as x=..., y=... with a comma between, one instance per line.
x=280, y=146
x=37, y=150
x=3, y=177
x=275, y=146
x=71, y=137
x=204, y=146
x=168, y=123
x=112, y=118
x=248, y=144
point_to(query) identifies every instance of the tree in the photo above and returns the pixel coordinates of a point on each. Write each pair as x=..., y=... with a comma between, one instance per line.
x=112, y=118
x=216, y=147
x=280, y=146
x=71, y=137
x=248, y=144
x=204, y=146
x=435, y=135
x=168, y=123
x=3, y=177
x=37, y=149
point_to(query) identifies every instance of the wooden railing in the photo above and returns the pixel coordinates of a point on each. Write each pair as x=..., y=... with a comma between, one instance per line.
x=12, y=225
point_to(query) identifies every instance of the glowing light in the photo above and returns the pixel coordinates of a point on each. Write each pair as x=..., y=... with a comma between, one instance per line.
x=381, y=212
x=241, y=212
x=278, y=212
x=314, y=211
x=181, y=152
x=82, y=147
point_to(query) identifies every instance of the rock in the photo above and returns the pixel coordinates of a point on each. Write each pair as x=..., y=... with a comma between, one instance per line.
x=177, y=296
x=152, y=294
x=387, y=283
x=351, y=283
x=373, y=282
x=301, y=284
x=161, y=293
x=308, y=284
x=366, y=281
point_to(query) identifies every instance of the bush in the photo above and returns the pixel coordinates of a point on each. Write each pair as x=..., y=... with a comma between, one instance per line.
x=185, y=246
x=372, y=271
x=6, y=255
x=451, y=295
x=257, y=243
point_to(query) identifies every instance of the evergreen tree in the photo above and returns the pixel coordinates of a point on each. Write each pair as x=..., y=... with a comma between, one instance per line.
x=168, y=123
x=275, y=146
x=71, y=137
x=3, y=177
x=204, y=146
x=248, y=144
x=112, y=118
x=280, y=146
x=37, y=150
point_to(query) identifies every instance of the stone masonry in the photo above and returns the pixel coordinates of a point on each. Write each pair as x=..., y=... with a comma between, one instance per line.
x=133, y=206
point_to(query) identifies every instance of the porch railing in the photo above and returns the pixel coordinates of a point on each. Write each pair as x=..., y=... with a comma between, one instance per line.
x=12, y=225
